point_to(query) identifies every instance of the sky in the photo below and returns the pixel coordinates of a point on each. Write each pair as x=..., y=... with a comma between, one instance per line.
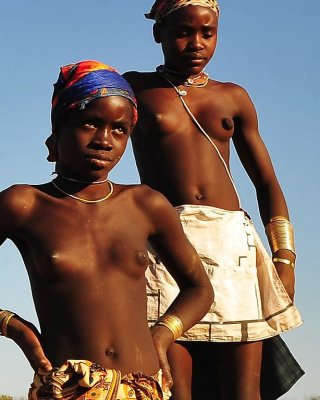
x=269, y=47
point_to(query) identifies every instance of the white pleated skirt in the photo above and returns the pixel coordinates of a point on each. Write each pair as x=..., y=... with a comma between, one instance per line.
x=250, y=302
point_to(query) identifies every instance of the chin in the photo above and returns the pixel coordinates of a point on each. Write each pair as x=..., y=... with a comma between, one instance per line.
x=193, y=67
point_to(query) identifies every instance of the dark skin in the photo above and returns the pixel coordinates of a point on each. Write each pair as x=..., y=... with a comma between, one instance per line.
x=86, y=262
x=174, y=158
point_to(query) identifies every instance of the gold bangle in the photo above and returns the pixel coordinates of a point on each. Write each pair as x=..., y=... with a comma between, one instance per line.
x=280, y=234
x=284, y=261
x=5, y=317
x=173, y=323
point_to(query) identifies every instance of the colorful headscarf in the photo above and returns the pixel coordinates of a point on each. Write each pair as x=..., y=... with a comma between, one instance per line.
x=161, y=8
x=80, y=83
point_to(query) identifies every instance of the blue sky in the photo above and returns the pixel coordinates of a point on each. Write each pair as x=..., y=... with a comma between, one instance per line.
x=271, y=48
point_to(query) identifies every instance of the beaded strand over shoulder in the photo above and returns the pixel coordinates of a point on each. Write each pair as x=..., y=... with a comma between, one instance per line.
x=181, y=94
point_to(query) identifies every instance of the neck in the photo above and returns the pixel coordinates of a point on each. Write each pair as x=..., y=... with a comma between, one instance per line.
x=199, y=80
x=79, y=180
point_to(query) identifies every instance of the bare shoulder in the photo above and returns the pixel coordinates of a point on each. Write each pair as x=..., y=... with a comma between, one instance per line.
x=229, y=88
x=152, y=203
x=17, y=202
x=147, y=198
x=142, y=80
x=135, y=77
x=237, y=97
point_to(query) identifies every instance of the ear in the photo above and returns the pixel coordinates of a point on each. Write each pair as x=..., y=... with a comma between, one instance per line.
x=51, y=144
x=157, y=32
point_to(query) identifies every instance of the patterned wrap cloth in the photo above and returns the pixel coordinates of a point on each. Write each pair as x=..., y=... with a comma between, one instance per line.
x=84, y=380
x=80, y=83
x=162, y=8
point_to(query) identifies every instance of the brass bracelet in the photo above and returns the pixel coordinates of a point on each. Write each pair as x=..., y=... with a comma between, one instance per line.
x=5, y=317
x=280, y=234
x=173, y=323
x=283, y=261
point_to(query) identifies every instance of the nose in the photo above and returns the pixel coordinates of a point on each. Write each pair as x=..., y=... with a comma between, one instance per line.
x=103, y=139
x=195, y=43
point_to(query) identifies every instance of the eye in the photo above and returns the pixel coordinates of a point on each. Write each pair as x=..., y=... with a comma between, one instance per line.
x=208, y=33
x=89, y=124
x=182, y=32
x=120, y=130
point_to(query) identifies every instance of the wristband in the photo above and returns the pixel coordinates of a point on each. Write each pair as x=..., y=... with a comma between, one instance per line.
x=5, y=317
x=173, y=323
x=280, y=234
x=283, y=261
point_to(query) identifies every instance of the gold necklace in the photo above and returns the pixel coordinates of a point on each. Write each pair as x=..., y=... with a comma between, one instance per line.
x=200, y=80
x=84, y=200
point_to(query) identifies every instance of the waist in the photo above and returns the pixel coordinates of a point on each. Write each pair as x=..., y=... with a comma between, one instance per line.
x=213, y=194
x=185, y=209
x=131, y=350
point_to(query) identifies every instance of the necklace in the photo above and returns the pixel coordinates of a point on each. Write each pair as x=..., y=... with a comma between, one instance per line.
x=200, y=80
x=84, y=200
x=78, y=180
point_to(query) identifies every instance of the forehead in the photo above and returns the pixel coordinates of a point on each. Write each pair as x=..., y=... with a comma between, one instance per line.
x=191, y=14
x=110, y=107
x=110, y=103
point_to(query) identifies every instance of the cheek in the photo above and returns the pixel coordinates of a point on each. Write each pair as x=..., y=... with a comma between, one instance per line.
x=173, y=49
x=121, y=146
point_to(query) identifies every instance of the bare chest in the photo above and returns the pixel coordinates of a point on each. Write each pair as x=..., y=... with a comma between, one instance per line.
x=177, y=116
x=70, y=244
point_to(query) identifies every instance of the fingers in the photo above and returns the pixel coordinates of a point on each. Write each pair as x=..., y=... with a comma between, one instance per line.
x=167, y=380
x=36, y=357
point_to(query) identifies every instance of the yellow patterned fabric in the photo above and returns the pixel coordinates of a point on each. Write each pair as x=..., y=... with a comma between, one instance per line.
x=84, y=380
x=162, y=8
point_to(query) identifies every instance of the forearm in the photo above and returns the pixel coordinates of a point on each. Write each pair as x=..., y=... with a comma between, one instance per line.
x=280, y=234
x=26, y=336
x=191, y=304
x=271, y=201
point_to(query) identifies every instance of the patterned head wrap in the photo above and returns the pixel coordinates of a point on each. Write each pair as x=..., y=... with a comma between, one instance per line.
x=161, y=8
x=79, y=84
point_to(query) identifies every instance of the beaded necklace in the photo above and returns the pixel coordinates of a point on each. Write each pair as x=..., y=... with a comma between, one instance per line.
x=200, y=80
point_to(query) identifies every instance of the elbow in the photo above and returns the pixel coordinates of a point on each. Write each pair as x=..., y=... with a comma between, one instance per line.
x=209, y=296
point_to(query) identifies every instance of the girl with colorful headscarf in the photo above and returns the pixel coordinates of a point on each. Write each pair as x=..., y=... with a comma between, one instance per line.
x=83, y=240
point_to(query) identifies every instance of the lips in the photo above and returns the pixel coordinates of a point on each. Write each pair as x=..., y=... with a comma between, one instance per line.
x=195, y=57
x=99, y=159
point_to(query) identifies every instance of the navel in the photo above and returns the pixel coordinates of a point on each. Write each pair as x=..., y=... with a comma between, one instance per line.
x=227, y=123
x=199, y=196
x=110, y=353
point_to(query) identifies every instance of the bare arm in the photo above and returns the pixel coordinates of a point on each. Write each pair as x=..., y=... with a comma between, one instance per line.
x=12, y=215
x=182, y=261
x=257, y=162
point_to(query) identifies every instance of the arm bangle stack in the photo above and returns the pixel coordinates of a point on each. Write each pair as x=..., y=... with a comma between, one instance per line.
x=5, y=317
x=283, y=261
x=173, y=323
x=280, y=234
